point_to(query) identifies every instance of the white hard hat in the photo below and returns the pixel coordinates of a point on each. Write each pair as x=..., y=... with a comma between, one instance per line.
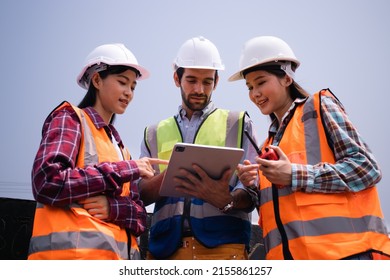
x=265, y=50
x=108, y=54
x=198, y=53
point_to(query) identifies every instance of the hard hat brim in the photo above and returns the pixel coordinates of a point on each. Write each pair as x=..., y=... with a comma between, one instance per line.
x=222, y=67
x=238, y=75
x=142, y=70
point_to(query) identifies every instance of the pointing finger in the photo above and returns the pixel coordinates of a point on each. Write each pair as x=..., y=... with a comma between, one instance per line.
x=158, y=161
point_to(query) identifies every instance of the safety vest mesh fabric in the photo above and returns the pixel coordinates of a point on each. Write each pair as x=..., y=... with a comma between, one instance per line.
x=209, y=224
x=71, y=232
x=318, y=225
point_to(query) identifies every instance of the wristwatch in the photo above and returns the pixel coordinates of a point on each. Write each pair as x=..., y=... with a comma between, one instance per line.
x=228, y=207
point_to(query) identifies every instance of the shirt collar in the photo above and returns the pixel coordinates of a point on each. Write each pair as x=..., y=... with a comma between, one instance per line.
x=99, y=123
x=287, y=116
x=205, y=112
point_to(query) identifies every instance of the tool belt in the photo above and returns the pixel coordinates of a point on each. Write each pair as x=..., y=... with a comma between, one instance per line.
x=191, y=249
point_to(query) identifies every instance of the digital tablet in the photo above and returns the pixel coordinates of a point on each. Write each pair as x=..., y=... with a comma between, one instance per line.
x=213, y=159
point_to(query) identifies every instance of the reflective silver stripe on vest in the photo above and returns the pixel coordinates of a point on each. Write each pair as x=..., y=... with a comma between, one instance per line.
x=134, y=254
x=78, y=240
x=168, y=211
x=151, y=141
x=90, y=152
x=197, y=211
x=266, y=194
x=232, y=128
x=323, y=226
x=39, y=205
x=207, y=210
x=312, y=139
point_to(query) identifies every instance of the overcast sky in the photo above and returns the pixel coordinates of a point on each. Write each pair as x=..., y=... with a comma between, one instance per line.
x=342, y=45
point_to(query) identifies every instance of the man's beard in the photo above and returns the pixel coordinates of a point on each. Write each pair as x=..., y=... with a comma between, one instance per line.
x=197, y=106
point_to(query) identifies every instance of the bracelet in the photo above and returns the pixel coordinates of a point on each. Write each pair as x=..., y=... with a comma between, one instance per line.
x=228, y=207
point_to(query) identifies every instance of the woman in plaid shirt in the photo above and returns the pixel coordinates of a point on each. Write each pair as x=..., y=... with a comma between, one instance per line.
x=319, y=199
x=82, y=176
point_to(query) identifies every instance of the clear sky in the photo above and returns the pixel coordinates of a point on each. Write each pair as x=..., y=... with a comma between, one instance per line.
x=342, y=45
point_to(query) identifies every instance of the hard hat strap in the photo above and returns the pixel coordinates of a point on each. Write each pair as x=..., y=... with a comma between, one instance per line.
x=286, y=67
x=91, y=70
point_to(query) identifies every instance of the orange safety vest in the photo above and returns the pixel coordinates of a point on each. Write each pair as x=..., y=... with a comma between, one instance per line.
x=299, y=225
x=71, y=232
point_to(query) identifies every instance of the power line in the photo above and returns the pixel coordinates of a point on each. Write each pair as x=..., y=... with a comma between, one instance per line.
x=18, y=184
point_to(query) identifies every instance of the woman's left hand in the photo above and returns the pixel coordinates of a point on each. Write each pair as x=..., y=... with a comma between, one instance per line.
x=97, y=206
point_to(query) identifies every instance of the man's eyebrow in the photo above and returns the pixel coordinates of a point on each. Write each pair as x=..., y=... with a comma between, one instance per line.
x=193, y=77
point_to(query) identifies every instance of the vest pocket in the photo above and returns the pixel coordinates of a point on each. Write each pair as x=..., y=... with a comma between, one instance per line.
x=316, y=206
x=324, y=215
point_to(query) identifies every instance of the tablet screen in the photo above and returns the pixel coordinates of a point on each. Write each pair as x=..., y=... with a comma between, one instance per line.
x=213, y=159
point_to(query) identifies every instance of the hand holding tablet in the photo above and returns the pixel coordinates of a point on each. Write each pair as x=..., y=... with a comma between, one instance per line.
x=213, y=159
